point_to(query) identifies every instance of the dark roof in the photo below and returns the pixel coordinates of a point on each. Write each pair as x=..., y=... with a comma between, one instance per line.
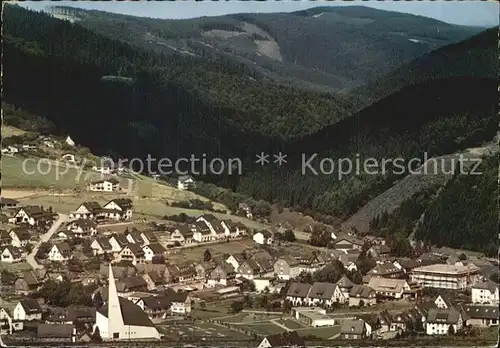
x=157, y=302
x=448, y=315
x=80, y=313
x=353, y=326
x=150, y=236
x=136, y=236
x=92, y=206
x=156, y=248
x=344, y=282
x=322, y=290
x=481, y=312
x=286, y=339
x=124, y=203
x=54, y=330
x=298, y=290
x=361, y=291
x=132, y=314
x=202, y=227
x=185, y=230
x=15, y=252
x=111, y=180
x=31, y=306
x=121, y=239
x=104, y=243
x=22, y=233
x=135, y=249
x=130, y=283
x=84, y=223
x=486, y=286
x=63, y=247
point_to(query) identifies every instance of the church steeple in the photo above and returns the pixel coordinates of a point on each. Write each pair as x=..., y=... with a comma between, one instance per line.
x=115, y=317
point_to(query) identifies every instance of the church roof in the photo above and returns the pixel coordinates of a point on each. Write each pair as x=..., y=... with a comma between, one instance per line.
x=132, y=314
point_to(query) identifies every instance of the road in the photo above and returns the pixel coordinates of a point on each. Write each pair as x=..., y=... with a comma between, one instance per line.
x=30, y=258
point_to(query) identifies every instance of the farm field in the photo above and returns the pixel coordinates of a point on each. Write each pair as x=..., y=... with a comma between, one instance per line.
x=9, y=131
x=196, y=253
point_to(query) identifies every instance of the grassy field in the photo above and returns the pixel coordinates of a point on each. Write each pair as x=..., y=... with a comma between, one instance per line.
x=265, y=329
x=15, y=267
x=197, y=330
x=9, y=131
x=321, y=332
x=196, y=253
x=291, y=324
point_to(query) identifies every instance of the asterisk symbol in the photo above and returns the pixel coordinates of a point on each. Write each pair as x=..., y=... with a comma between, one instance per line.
x=280, y=158
x=262, y=159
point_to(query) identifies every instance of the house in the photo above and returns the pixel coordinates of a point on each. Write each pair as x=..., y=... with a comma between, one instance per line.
x=105, y=185
x=222, y=274
x=443, y=276
x=11, y=254
x=11, y=150
x=56, y=333
x=388, y=287
x=185, y=182
x=386, y=270
x=33, y=215
x=187, y=272
x=134, y=237
x=118, y=241
x=345, y=286
x=481, y=315
x=69, y=157
x=297, y=293
x=122, y=205
x=204, y=269
x=8, y=202
x=379, y=251
x=156, y=307
x=60, y=252
x=284, y=339
x=181, y=302
x=27, y=309
x=362, y=295
x=131, y=284
x=439, y=321
x=132, y=253
x=202, y=232
x=322, y=294
x=148, y=238
x=154, y=279
x=101, y=246
x=83, y=228
x=5, y=238
x=152, y=250
x=236, y=260
x=87, y=210
x=287, y=267
x=346, y=243
x=69, y=141
x=30, y=281
x=233, y=229
x=214, y=224
x=485, y=293
x=244, y=210
x=353, y=329
x=263, y=238
x=20, y=237
x=184, y=234
x=260, y=264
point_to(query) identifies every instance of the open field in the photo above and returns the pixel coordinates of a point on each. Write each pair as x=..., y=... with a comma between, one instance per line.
x=196, y=253
x=15, y=267
x=197, y=330
x=291, y=324
x=9, y=131
x=265, y=329
x=320, y=332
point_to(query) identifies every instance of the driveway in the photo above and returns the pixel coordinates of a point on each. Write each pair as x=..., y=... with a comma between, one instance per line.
x=30, y=258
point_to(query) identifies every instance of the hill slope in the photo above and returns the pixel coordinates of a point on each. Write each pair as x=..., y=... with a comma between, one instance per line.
x=477, y=56
x=351, y=44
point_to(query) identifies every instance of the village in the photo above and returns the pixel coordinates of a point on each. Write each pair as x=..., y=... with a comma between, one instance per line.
x=97, y=272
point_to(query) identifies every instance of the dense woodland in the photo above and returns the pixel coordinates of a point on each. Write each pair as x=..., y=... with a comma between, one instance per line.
x=127, y=101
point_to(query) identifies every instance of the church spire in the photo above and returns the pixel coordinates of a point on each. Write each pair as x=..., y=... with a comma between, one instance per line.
x=115, y=317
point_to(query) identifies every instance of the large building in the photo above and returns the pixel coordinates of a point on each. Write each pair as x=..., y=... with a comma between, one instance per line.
x=120, y=319
x=443, y=276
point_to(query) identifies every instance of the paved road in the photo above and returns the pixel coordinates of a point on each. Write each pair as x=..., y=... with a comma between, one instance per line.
x=30, y=258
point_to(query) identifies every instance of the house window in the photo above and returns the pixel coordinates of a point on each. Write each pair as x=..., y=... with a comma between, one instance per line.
x=116, y=335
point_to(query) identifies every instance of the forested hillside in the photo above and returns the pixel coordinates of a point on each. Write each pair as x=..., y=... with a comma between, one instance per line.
x=332, y=47
x=465, y=215
x=477, y=56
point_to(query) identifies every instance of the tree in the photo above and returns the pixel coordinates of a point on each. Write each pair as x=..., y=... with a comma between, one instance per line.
x=462, y=257
x=451, y=330
x=158, y=260
x=207, y=256
x=289, y=236
x=237, y=306
x=96, y=335
x=97, y=300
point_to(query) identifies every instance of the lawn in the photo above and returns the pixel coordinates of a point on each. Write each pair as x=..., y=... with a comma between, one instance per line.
x=15, y=267
x=291, y=324
x=9, y=131
x=320, y=332
x=196, y=253
x=265, y=329
x=200, y=330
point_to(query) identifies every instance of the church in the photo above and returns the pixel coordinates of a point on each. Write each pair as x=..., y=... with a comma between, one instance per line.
x=120, y=319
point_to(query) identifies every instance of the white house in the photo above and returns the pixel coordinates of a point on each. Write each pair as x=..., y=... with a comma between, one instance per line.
x=439, y=320
x=485, y=293
x=123, y=205
x=152, y=250
x=27, y=309
x=33, y=215
x=263, y=238
x=185, y=182
x=83, y=228
x=69, y=141
x=87, y=210
x=105, y=185
x=284, y=339
x=235, y=260
x=103, y=170
x=11, y=254
x=60, y=252
x=19, y=237
x=70, y=158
